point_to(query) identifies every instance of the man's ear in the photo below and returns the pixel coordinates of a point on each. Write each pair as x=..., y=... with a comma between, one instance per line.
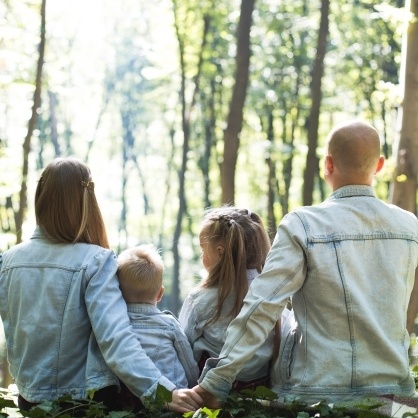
x=380, y=164
x=328, y=165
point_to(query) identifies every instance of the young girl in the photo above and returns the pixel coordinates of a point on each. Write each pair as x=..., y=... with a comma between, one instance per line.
x=234, y=247
x=61, y=306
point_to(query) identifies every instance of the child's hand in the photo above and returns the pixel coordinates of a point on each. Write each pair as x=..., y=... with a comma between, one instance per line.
x=184, y=400
x=209, y=400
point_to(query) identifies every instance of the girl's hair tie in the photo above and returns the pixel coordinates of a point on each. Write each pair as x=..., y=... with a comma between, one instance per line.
x=88, y=183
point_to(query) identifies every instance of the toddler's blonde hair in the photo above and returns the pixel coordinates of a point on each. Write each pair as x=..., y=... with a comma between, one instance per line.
x=140, y=273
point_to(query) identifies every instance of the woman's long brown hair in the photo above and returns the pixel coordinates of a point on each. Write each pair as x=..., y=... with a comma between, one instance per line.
x=65, y=204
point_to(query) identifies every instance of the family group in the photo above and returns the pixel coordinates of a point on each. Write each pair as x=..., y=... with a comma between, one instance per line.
x=318, y=315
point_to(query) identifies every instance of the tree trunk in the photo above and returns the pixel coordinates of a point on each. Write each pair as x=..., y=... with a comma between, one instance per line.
x=209, y=139
x=404, y=186
x=235, y=116
x=186, y=110
x=311, y=168
x=20, y=214
x=54, y=123
x=272, y=185
x=127, y=145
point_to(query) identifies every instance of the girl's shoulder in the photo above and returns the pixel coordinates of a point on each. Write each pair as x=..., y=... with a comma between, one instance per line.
x=203, y=294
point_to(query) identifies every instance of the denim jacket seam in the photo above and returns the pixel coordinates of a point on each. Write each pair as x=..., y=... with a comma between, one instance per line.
x=43, y=265
x=305, y=225
x=179, y=338
x=58, y=337
x=347, y=299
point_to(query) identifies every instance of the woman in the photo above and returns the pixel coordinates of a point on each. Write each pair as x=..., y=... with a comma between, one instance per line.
x=66, y=323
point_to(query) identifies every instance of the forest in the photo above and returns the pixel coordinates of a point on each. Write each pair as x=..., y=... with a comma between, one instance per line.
x=181, y=105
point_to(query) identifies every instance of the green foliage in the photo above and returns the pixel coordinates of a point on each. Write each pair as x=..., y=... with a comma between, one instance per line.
x=258, y=403
x=155, y=405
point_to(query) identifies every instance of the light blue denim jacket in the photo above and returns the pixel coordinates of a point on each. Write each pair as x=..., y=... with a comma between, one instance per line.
x=349, y=264
x=198, y=308
x=55, y=301
x=165, y=343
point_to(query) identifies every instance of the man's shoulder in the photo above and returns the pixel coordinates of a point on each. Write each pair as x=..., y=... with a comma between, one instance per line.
x=305, y=211
x=402, y=211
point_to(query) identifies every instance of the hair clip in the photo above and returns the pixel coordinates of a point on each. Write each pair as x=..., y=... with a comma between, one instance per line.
x=88, y=183
x=249, y=213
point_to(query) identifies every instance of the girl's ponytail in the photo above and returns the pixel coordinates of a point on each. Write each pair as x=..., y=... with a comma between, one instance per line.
x=233, y=272
x=241, y=233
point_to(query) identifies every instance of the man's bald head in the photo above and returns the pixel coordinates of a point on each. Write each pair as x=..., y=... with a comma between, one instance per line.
x=355, y=148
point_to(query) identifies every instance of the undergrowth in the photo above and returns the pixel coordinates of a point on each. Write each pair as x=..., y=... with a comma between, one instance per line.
x=258, y=403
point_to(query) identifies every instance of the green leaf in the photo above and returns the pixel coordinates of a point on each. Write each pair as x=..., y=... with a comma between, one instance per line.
x=368, y=414
x=38, y=412
x=323, y=408
x=369, y=404
x=91, y=392
x=163, y=395
x=211, y=413
x=6, y=403
x=263, y=392
x=66, y=398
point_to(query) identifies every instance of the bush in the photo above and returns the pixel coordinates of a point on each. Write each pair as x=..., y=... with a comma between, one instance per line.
x=260, y=403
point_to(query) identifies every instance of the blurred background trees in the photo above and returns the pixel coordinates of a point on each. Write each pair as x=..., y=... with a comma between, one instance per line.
x=179, y=105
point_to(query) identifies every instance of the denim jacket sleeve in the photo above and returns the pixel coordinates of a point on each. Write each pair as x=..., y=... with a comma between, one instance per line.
x=188, y=319
x=282, y=276
x=110, y=322
x=185, y=355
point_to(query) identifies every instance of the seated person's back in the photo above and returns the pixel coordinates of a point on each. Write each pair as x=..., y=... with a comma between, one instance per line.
x=140, y=273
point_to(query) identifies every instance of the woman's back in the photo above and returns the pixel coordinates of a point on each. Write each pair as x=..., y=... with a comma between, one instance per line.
x=43, y=288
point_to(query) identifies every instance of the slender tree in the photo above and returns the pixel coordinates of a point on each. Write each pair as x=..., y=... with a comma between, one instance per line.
x=186, y=111
x=235, y=116
x=20, y=214
x=404, y=186
x=272, y=184
x=311, y=169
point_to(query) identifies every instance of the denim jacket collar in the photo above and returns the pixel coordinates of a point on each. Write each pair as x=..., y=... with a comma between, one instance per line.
x=352, y=190
x=146, y=308
x=40, y=233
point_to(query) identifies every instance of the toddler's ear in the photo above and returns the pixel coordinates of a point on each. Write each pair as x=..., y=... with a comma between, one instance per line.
x=160, y=294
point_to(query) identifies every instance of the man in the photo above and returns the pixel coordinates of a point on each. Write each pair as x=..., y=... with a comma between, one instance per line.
x=349, y=265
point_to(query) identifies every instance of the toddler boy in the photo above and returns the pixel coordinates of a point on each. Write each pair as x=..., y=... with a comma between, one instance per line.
x=140, y=273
